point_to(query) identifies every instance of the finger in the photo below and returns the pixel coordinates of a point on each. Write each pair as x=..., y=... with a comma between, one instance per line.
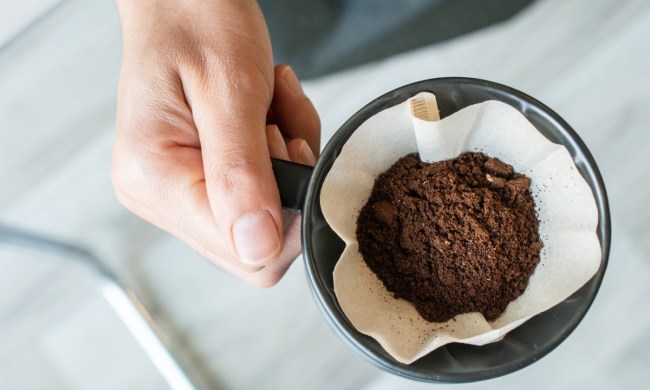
x=300, y=152
x=272, y=273
x=275, y=141
x=293, y=111
x=278, y=149
x=243, y=195
x=174, y=184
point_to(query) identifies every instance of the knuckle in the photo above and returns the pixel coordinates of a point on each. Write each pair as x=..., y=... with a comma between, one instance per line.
x=234, y=175
x=233, y=76
x=136, y=176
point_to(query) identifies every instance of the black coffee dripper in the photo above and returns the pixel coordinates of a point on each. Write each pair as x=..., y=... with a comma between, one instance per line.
x=300, y=188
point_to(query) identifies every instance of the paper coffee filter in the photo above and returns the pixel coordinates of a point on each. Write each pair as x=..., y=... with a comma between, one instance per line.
x=565, y=205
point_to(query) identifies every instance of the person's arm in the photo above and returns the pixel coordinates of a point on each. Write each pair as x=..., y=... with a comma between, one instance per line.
x=192, y=150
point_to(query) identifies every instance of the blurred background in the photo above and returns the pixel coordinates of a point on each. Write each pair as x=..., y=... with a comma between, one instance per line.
x=67, y=325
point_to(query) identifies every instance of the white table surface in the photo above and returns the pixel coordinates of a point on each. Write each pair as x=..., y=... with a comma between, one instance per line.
x=588, y=60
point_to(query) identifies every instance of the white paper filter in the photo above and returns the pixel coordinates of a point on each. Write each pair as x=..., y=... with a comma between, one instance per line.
x=565, y=205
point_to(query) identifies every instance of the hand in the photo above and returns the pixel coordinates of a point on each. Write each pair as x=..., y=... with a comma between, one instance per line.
x=192, y=149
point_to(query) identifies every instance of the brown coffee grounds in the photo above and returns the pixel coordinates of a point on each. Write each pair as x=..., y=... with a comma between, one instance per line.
x=451, y=237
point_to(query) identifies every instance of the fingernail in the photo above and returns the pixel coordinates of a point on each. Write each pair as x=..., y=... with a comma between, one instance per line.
x=256, y=237
x=292, y=81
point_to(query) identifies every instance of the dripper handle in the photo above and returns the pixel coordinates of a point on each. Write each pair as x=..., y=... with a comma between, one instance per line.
x=293, y=181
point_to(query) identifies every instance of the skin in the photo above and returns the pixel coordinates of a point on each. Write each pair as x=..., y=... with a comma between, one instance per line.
x=201, y=109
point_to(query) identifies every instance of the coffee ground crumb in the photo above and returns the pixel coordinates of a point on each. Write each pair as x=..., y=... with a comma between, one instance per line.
x=451, y=237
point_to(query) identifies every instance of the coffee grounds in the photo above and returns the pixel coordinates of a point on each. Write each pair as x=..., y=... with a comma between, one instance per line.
x=451, y=237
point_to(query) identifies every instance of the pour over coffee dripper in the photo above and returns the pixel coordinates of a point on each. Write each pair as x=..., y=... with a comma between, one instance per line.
x=300, y=187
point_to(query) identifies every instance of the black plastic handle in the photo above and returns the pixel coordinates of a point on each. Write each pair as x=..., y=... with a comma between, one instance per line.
x=293, y=181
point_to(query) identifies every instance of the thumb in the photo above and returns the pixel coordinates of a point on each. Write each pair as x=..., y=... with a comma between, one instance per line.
x=239, y=179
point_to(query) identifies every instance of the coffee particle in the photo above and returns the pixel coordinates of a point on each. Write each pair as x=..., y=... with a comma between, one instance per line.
x=498, y=167
x=384, y=212
x=520, y=184
x=451, y=237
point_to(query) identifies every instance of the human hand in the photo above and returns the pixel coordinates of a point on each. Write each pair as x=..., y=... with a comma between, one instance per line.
x=192, y=148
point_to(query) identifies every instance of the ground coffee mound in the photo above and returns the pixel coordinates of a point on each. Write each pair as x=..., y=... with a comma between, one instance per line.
x=451, y=237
